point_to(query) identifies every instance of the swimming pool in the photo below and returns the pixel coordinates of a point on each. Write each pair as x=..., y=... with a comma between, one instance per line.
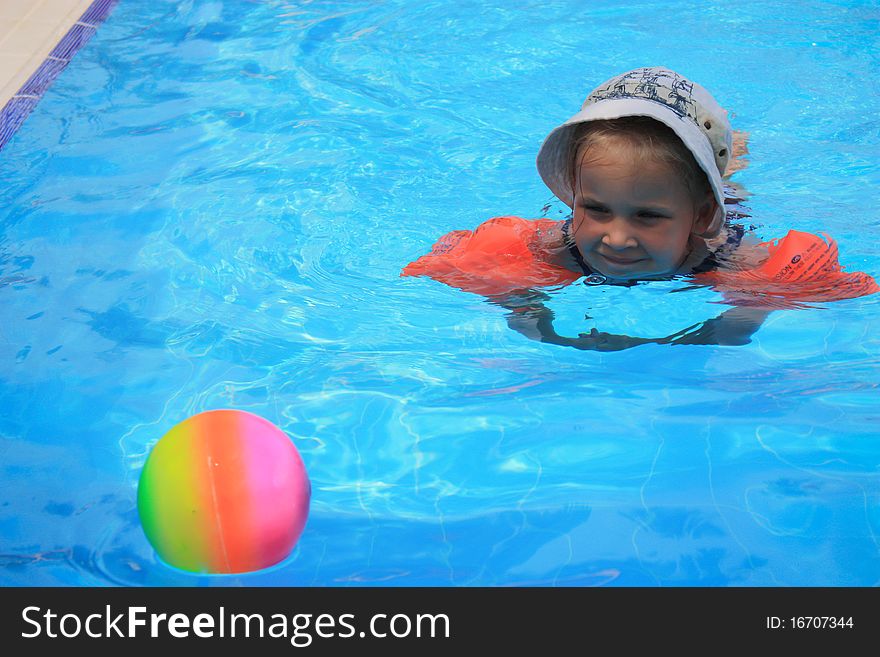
x=210, y=209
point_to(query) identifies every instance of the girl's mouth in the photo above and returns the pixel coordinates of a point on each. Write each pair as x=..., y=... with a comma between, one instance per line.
x=620, y=261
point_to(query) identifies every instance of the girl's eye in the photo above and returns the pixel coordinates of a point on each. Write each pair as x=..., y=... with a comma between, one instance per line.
x=646, y=216
x=651, y=217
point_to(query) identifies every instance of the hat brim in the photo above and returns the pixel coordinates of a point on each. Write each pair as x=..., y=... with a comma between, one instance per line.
x=554, y=165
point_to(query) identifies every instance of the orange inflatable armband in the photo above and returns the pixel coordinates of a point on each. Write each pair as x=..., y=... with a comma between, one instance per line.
x=801, y=267
x=493, y=259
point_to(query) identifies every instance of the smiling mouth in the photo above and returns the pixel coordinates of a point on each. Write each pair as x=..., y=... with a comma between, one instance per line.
x=621, y=261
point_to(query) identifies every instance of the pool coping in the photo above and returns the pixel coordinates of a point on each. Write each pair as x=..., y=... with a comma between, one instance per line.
x=23, y=102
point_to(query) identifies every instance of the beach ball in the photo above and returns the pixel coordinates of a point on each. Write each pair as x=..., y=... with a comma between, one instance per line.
x=223, y=492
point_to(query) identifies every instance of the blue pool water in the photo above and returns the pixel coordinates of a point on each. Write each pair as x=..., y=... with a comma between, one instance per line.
x=210, y=209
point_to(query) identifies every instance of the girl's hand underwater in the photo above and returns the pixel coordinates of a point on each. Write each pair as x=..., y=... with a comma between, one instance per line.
x=600, y=341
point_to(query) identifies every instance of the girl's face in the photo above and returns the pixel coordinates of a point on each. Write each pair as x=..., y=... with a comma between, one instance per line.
x=633, y=220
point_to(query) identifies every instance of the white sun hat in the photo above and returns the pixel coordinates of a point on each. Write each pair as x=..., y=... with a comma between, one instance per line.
x=664, y=95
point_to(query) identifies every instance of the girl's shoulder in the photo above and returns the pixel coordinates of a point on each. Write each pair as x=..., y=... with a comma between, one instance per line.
x=739, y=248
x=519, y=226
x=512, y=236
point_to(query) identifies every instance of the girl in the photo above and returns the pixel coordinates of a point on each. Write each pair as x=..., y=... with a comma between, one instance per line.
x=641, y=167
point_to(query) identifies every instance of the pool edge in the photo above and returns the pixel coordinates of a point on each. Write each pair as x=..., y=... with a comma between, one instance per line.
x=23, y=102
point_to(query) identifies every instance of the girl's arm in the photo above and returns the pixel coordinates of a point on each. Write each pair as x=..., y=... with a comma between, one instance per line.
x=734, y=326
x=531, y=318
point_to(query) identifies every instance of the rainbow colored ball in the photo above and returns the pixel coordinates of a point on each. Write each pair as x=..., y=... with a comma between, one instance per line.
x=223, y=492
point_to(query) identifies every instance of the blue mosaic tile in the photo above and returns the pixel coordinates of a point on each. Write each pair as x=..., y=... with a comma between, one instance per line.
x=75, y=39
x=21, y=106
x=99, y=10
x=13, y=115
x=43, y=77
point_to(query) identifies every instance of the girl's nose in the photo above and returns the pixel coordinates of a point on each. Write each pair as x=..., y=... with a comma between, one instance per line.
x=618, y=235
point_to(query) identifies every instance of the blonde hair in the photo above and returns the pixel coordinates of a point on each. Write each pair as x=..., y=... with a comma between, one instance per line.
x=649, y=139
